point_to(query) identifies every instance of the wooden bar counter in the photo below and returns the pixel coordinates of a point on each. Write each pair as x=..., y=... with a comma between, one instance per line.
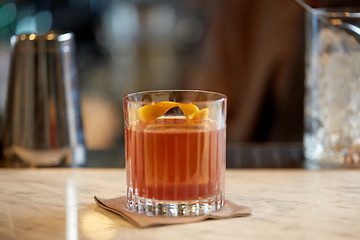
x=287, y=204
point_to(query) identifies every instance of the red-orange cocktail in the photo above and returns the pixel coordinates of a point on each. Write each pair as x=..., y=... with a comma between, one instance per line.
x=175, y=163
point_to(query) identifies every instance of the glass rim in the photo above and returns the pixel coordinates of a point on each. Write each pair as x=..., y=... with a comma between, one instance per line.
x=222, y=96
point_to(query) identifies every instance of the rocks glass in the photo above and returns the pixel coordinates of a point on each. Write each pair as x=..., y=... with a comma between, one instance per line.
x=175, y=152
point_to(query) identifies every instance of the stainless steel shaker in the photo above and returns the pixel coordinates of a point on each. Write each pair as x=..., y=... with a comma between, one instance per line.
x=42, y=122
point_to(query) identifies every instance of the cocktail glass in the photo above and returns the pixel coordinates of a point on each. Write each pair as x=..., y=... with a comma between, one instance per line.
x=175, y=152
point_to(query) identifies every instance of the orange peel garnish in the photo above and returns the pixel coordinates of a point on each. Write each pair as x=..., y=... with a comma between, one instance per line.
x=153, y=111
x=201, y=114
x=188, y=109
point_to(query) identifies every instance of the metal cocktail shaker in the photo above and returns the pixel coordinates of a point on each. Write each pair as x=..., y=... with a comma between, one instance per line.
x=42, y=122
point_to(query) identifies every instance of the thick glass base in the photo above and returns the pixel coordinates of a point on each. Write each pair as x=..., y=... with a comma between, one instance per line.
x=152, y=207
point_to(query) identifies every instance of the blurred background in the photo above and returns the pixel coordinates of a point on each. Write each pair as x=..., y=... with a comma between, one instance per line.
x=250, y=50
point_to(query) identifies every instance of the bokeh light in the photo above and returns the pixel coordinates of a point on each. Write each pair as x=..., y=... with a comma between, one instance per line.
x=7, y=14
